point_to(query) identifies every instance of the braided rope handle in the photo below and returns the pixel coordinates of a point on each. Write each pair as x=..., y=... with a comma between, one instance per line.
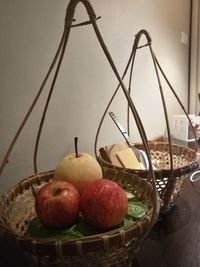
x=58, y=58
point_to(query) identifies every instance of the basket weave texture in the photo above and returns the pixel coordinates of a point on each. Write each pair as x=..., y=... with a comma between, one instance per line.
x=113, y=248
x=168, y=182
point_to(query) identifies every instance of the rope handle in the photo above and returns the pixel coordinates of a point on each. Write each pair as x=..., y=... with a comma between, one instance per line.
x=156, y=67
x=60, y=52
x=135, y=48
x=58, y=59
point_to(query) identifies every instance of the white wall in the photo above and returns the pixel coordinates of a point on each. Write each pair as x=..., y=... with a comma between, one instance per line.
x=29, y=35
x=195, y=59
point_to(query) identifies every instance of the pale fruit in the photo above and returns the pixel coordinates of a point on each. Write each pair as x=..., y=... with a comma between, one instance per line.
x=79, y=171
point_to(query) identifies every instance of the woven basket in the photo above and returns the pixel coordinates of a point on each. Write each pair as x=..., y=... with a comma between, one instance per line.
x=113, y=248
x=174, y=163
x=168, y=183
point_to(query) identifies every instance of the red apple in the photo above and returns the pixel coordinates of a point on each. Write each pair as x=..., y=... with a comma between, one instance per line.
x=57, y=204
x=104, y=204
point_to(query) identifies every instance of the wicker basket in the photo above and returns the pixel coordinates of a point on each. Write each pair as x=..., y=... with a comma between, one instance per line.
x=113, y=248
x=174, y=163
x=168, y=183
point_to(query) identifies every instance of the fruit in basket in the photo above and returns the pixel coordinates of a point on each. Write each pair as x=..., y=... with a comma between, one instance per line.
x=57, y=204
x=104, y=204
x=78, y=169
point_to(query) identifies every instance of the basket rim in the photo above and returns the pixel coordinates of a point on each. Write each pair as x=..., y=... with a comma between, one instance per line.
x=159, y=173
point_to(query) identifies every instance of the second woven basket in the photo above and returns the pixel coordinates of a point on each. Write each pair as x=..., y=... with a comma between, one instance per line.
x=174, y=163
x=168, y=183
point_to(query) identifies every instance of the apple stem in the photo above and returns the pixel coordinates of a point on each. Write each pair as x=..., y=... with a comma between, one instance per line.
x=57, y=192
x=76, y=146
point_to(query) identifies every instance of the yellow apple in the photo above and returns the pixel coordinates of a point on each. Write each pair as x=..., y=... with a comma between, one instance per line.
x=78, y=169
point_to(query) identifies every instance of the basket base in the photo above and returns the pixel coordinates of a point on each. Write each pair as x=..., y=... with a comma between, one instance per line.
x=122, y=257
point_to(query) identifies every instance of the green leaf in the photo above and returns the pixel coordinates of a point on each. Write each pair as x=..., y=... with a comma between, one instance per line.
x=80, y=229
x=85, y=229
x=128, y=220
x=136, y=209
x=38, y=230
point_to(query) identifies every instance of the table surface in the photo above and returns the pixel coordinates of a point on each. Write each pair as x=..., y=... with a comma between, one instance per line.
x=174, y=241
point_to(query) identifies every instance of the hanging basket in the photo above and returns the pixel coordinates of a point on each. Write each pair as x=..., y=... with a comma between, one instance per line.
x=111, y=248
x=174, y=163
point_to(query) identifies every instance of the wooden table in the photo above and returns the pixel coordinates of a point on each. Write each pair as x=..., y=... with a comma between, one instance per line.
x=175, y=240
